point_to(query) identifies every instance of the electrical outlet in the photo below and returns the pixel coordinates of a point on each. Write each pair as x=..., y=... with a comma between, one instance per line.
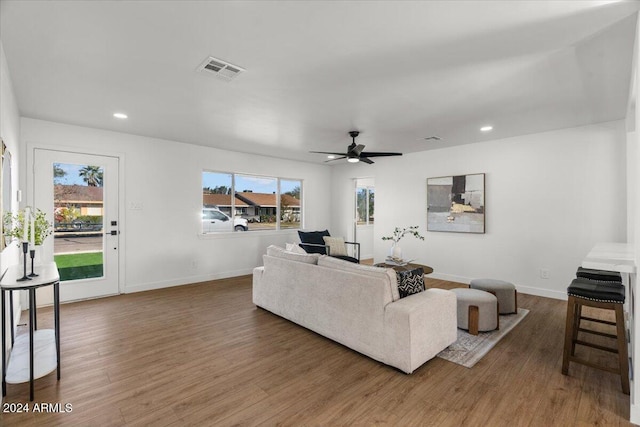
x=135, y=206
x=544, y=273
x=194, y=264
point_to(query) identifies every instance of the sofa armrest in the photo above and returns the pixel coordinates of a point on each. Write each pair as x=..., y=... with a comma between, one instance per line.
x=418, y=327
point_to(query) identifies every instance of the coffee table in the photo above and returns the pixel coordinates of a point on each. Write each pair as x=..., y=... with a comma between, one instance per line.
x=411, y=266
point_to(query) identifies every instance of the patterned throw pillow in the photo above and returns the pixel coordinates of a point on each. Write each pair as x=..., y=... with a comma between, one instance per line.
x=410, y=282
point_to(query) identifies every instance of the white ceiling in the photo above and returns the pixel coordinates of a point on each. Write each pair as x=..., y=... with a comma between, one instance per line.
x=397, y=71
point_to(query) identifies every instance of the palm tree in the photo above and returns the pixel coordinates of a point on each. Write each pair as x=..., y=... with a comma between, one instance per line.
x=58, y=174
x=92, y=175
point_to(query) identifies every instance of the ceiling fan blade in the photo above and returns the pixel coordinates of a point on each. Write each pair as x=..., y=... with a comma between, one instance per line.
x=327, y=152
x=366, y=160
x=337, y=158
x=356, y=149
x=355, y=152
x=378, y=154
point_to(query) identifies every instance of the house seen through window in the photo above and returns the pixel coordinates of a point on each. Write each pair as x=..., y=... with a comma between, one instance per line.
x=238, y=202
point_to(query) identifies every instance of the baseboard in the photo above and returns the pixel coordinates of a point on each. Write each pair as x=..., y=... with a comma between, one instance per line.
x=561, y=295
x=185, y=281
x=449, y=278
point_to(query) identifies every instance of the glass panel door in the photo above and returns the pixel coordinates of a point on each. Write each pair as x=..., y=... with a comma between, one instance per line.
x=80, y=193
x=78, y=220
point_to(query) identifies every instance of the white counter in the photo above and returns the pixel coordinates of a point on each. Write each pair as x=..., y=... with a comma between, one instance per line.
x=620, y=257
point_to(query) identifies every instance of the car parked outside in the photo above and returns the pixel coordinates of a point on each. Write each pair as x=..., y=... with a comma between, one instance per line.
x=214, y=220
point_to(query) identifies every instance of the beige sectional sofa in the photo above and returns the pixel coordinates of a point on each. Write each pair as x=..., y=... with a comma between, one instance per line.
x=357, y=306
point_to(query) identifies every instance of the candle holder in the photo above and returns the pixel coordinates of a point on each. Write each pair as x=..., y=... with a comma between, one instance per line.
x=25, y=249
x=32, y=254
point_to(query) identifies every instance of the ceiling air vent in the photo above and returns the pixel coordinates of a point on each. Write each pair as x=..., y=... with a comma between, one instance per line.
x=220, y=68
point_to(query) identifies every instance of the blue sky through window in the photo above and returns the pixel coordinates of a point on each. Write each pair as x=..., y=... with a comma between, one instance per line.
x=257, y=184
x=73, y=174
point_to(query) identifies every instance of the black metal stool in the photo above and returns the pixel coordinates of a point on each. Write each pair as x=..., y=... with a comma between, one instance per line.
x=600, y=294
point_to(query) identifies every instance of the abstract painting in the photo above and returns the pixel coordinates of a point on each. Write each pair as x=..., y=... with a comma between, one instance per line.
x=456, y=203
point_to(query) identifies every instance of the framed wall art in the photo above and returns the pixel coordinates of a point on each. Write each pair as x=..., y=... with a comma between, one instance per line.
x=456, y=203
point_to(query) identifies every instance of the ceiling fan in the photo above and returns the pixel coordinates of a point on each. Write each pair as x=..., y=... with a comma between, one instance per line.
x=354, y=152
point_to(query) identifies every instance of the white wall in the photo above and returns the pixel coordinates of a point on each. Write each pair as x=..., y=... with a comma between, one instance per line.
x=549, y=198
x=633, y=193
x=161, y=240
x=10, y=134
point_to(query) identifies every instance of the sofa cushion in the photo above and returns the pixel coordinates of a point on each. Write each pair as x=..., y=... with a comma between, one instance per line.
x=278, y=252
x=315, y=238
x=410, y=282
x=295, y=248
x=367, y=270
x=336, y=245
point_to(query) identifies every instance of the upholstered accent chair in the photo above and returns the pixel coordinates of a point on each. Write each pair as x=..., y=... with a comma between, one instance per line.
x=321, y=242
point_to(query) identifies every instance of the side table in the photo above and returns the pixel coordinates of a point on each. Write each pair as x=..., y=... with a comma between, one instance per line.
x=37, y=354
x=407, y=267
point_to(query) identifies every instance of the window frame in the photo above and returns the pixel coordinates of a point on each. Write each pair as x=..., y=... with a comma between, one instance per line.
x=368, y=190
x=278, y=229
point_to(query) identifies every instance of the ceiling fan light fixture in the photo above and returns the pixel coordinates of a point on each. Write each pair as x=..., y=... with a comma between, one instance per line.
x=355, y=152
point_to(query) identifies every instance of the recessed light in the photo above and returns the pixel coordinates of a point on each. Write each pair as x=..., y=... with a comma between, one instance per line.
x=120, y=115
x=486, y=128
x=353, y=160
x=331, y=156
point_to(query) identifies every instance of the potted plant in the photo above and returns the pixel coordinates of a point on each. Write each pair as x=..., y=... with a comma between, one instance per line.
x=398, y=234
x=14, y=226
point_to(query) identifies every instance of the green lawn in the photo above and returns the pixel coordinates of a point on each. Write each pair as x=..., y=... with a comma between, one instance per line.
x=79, y=266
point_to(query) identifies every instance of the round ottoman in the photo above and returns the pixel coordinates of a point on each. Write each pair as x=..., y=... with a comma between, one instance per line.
x=477, y=310
x=504, y=291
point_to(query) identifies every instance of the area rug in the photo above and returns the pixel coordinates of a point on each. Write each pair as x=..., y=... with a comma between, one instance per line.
x=468, y=349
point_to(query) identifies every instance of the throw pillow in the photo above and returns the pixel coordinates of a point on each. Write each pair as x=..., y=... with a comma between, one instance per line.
x=336, y=245
x=295, y=248
x=315, y=238
x=410, y=282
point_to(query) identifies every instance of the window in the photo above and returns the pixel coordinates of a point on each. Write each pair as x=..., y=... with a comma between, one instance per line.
x=365, y=197
x=258, y=202
x=290, y=203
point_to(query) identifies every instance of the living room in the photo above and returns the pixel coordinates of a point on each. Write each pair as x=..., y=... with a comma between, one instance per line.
x=552, y=192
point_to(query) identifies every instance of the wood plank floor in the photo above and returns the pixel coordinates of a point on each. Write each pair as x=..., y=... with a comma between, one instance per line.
x=203, y=354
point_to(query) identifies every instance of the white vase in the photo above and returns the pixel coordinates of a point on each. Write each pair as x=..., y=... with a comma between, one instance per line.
x=396, y=251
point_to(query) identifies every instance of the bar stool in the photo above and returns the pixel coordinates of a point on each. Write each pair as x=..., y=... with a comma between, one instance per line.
x=599, y=275
x=604, y=295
